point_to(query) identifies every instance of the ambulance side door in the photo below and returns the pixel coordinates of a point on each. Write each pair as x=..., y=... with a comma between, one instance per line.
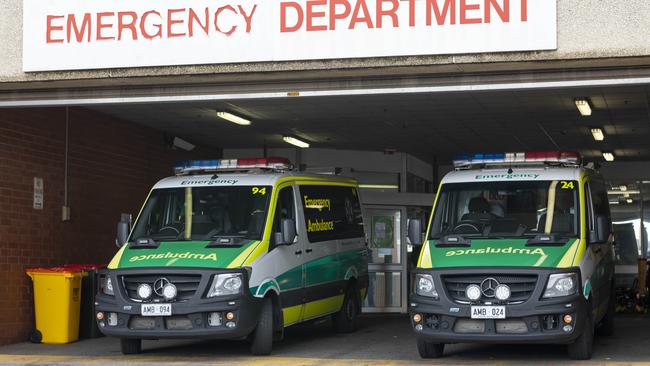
x=287, y=259
x=323, y=288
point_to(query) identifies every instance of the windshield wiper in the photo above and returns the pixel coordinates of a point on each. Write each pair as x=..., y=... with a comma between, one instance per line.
x=452, y=241
x=550, y=240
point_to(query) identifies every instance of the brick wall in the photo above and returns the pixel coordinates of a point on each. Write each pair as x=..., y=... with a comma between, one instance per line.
x=112, y=165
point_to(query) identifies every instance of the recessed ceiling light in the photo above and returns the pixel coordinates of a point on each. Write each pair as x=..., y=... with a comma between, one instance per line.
x=379, y=186
x=295, y=142
x=598, y=134
x=233, y=118
x=629, y=200
x=583, y=106
x=608, y=156
x=623, y=188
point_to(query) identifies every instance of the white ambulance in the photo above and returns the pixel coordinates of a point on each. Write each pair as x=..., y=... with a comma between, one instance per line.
x=236, y=249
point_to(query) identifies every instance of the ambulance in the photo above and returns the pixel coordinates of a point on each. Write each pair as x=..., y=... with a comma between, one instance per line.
x=518, y=250
x=236, y=249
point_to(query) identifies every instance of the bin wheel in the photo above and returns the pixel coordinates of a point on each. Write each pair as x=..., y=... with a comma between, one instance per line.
x=36, y=336
x=131, y=346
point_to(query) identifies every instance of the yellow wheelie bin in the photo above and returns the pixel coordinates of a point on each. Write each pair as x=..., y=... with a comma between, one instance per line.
x=57, y=294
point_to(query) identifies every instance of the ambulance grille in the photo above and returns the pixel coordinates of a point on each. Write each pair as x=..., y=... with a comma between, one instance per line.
x=521, y=286
x=187, y=285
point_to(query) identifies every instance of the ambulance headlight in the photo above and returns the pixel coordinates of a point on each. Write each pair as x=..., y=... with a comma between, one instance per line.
x=424, y=286
x=225, y=284
x=561, y=284
x=106, y=285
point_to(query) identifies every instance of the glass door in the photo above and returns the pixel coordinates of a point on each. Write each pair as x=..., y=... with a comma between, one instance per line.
x=387, y=269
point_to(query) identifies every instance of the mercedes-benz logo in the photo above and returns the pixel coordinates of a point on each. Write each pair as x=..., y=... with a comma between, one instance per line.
x=159, y=285
x=488, y=287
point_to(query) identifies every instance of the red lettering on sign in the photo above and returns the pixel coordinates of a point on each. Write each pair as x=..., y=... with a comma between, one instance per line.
x=247, y=18
x=448, y=10
x=171, y=22
x=283, y=17
x=123, y=25
x=51, y=27
x=72, y=26
x=411, y=13
x=464, y=9
x=216, y=20
x=503, y=12
x=103, y=24
x=311, y=14
x=392, y=12
x=365, y=18
x=143, y=25
x=334, y=15
x=194, y=18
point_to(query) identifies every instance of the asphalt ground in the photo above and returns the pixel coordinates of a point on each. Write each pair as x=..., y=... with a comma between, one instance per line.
x=381, y=340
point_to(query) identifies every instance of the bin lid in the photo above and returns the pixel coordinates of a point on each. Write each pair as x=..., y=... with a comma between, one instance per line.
x=55, y=271
x=84, y=267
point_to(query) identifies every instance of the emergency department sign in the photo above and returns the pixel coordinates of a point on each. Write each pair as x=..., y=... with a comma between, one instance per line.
x=97, y=34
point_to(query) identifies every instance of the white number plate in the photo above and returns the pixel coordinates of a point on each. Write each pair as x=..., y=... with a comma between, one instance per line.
x=488, y=312
x=156, y=309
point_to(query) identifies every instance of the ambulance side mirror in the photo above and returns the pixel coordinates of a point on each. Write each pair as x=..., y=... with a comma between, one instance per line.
x=415, y=232
x=601, y=232
x=288, y=231
x=122, y=233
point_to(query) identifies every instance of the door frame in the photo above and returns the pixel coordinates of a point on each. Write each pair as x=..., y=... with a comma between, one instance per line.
x=402, y=267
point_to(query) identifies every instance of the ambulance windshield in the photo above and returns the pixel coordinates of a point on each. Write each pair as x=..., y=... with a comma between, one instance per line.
x=231, y=214
x=509, y=209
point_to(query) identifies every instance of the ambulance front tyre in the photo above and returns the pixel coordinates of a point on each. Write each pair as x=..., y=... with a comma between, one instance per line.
x=606, y=327
x=262, y=336
x=346, y=320
x=131, y=346
x=582, y=348
x=430, y=349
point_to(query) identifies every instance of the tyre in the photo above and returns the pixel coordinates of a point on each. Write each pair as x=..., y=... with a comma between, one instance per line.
x=131, y=346
x=582, y=347
x=262, y=336
x=606, y=327
x=430, y=349
x=346, y=320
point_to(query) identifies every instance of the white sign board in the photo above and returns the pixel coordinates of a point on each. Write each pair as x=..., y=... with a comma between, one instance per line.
x=38, y=193
x=97, y=34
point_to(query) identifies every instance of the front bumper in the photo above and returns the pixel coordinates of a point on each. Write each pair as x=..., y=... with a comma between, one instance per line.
x=536, y=320
x=189, y=318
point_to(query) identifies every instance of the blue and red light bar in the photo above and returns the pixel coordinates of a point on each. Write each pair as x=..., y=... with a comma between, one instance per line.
x=197, y=166
x=514, y=158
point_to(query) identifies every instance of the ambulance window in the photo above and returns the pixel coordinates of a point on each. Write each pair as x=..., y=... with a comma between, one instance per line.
x=284, y=209
x=331, y=213
x=599, y=206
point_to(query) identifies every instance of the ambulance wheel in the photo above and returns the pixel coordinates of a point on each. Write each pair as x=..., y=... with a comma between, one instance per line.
x=262, y=337
x=606, y=327
x=583, y=346
x=346, y=320
x=430, y=349
x=131, y=346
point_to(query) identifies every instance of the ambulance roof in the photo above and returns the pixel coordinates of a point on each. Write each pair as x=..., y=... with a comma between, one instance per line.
x=537, y=173
x=256, y=178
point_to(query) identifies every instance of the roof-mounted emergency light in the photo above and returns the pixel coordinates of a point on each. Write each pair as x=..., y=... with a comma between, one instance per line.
x=518, y=158
x=199, y=166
